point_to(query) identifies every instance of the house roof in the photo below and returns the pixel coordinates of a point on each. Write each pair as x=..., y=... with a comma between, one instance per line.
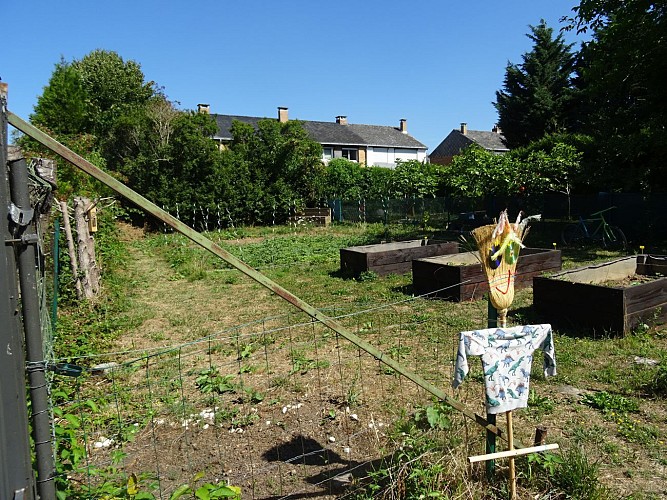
x=331, y=133
x=457, y=141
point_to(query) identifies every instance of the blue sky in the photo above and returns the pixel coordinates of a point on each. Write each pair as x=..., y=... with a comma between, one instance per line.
x=436, y=63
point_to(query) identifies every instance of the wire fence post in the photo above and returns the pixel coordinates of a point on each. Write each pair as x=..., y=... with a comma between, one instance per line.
x=26, y=239
x=16, y=476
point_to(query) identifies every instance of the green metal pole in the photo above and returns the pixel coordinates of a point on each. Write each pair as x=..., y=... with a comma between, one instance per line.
x=217, y=250
x=56, y=273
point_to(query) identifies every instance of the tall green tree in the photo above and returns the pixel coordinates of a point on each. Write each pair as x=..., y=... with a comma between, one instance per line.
x=343, y=179
x=413, y=178
x=277, y=166
x=113, y=86
x=477, y=173
x=62, y=107
x=168, y=156
x=623, y=91
x=536, y=94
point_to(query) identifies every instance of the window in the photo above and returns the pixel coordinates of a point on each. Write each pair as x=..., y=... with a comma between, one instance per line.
x=405, y=154
x=351, y=154
x=327, y=153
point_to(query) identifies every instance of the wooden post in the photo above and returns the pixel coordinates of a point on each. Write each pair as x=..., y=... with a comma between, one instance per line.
x=540, y=435
x=491, y=417
x=73, y=259
x=86, y=250
x=510, y=446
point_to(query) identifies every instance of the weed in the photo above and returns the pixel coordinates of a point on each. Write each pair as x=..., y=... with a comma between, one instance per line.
x=207, y=491
x=608, y=403
x=302, y=364
x=658, y=384
x=570, y=474
x=210, y=381
x=367, y=276
x=437, y=416
x=540, y=405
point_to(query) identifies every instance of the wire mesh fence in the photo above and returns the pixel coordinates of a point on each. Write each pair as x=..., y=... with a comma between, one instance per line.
x=280, y=407
x=434, y=211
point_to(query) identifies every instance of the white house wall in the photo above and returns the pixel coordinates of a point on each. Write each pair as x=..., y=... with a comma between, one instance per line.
x=386, y=157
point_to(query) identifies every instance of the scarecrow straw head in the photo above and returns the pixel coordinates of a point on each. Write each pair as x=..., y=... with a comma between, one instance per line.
x=499, y=246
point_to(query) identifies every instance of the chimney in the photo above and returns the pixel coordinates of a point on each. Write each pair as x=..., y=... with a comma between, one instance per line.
x=403, y=126
x=204, y=108
x=464, y=128
x=496, y=129
x=282, y=114
x=341, y=120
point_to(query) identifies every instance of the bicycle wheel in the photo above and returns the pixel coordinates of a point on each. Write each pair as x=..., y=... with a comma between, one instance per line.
x=573, y=234
x=614, y=239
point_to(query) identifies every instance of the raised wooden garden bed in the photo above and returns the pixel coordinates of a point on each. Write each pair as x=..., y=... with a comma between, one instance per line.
x=395, y=257
x=608, y=298
x=460, y=277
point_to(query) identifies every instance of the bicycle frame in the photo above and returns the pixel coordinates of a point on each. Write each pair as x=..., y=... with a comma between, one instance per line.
x=602, y=225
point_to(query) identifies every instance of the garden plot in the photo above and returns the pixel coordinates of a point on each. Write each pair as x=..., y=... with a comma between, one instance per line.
x=612, y=297
x=460, y=277
x=391, y=258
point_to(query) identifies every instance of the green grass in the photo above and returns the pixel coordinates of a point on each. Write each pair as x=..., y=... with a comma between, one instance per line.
x=601, y=431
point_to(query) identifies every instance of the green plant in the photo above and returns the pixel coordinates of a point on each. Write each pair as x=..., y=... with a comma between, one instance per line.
x=540, y=405
x=658, y=384
x=366, y=276
x=436, y=416
x=607, y=402
x=206, y=491
x=210, y=381
x=302, y=364
x=577, y=477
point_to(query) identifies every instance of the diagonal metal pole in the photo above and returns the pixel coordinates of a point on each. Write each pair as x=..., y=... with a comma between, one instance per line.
x=217, y=250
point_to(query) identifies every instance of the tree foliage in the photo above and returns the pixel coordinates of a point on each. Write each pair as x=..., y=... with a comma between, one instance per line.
x=536, y=94
x=413, y=178
x=549, y=165
x=623, y=71
x=113, y=87
x=476, y=173
x=62, y=107
x=276, y=166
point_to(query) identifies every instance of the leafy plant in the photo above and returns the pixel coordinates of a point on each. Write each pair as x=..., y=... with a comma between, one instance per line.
x=436, y=416
x=206, y=491
x=610, y=402
x=302, y=364
x=210, y=381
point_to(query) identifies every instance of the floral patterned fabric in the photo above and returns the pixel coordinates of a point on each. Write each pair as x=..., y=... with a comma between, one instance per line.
x=507, y=356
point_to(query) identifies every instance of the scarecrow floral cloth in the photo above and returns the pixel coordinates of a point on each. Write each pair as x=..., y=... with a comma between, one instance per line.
x=507, y=356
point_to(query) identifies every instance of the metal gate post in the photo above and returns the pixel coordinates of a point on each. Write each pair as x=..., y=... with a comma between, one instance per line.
x=16, y=477
x=25, y=238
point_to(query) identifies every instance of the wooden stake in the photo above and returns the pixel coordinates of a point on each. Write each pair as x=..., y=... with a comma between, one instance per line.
x=86, y=248
x=540, y=435
x=510, y=445
x=74, y=263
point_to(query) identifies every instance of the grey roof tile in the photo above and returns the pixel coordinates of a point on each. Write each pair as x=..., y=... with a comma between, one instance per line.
x=456, y=141
x=331, y=133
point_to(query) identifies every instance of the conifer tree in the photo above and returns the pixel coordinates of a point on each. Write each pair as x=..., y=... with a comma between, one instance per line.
x=535, y=97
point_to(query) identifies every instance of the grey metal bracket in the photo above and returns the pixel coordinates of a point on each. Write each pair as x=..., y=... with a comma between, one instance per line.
x=21, y=216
